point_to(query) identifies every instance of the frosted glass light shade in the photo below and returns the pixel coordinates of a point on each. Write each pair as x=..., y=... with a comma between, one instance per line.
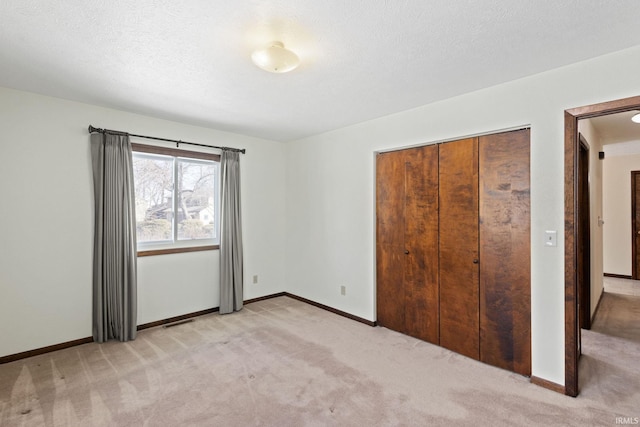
x=636, y=118
x=275, y=58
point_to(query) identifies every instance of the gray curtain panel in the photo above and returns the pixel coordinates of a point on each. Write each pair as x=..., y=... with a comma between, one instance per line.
x=114, y=248
x=231, y=268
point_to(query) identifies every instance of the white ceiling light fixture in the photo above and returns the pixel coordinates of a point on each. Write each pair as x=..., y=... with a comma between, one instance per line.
x=275, y=58
x=636, y=118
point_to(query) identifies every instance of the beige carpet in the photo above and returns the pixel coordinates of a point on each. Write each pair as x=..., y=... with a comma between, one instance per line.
x=281, y=362
x=610, y=364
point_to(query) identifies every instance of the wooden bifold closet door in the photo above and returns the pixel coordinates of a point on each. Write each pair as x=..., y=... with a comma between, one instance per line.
x=459, y=250
x=407, y=241
x=505, y=251
x=453, y=246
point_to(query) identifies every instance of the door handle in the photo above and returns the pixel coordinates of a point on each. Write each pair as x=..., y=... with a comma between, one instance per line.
x=406, y=252
x=476, y=260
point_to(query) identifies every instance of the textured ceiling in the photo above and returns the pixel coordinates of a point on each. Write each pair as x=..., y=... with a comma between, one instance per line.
x=190, y=60
x=617, y=128
x=619, y=135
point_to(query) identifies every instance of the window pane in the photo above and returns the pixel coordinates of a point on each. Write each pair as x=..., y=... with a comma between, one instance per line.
x=197, y=214
x=153, y=176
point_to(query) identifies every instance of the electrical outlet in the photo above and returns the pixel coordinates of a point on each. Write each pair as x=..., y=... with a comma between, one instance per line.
x=343, y=290
x=255, y=279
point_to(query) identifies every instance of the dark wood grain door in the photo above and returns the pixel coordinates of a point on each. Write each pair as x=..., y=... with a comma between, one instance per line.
x=583, y=240
x=421, y=243
x=635, y=224
x=390, y=233
x=459, y=256
x=505, y=267
x=407, y=241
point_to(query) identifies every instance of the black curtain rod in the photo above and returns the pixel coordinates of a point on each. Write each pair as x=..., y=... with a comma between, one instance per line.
x=178, y=142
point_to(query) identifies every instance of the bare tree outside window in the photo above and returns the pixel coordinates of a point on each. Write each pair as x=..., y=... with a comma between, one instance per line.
x=196, y=209
x=176, y=198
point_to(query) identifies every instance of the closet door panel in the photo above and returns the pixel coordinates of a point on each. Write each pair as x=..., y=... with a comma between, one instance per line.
x=421, y=243
x=459, y=268
x=390, y=196
x=505, y=288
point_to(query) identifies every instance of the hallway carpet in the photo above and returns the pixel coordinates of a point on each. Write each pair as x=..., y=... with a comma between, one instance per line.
x=281, y=362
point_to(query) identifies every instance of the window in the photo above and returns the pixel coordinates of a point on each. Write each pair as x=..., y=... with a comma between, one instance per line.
x=177, y=200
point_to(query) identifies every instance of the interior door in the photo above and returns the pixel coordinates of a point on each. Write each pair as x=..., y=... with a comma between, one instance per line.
x=505, y=253
x=635, y=215
x=390, y=234
x=584, y=240
x=407, y=241
x=459, y=254
x=421, y=243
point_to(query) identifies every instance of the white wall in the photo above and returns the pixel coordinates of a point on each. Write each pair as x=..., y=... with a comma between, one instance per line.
x=45, y=264
x=330, y=188
x=585, y=127
x=617, y=212
x=46, y=214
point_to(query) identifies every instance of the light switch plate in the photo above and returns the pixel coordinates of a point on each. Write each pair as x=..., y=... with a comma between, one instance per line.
x=551, y=238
